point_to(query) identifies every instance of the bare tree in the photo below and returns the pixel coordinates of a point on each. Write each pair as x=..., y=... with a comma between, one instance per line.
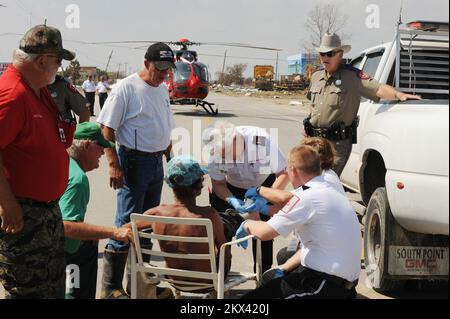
x=233, y=75
x=322, y=19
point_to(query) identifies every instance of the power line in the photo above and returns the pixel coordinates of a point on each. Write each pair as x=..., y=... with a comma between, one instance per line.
x=238, y=57
x=21, y=6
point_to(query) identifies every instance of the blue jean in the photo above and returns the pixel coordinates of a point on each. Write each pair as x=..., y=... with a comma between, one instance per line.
x=143, y=182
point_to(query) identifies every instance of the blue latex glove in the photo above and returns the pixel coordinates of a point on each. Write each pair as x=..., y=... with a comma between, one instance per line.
x=241, y=233
x=279, y=273
x=237, y=204
x=259, y=205
x=251, y=192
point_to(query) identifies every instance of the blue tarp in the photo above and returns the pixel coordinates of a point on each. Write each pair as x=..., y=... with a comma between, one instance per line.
x=297, y=63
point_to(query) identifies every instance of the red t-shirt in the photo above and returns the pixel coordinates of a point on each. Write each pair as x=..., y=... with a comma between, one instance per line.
x=35, y=161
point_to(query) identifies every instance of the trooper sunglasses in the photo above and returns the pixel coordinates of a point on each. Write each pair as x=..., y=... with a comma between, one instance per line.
x=329, y=54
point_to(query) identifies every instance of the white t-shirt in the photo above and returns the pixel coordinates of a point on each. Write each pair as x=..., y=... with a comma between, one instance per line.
x=88, y=86
x=140, y=114
x=328, y=229
x=261, y=158
x=102, y=87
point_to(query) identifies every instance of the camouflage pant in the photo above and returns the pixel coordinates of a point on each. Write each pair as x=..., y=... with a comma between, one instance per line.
x=343, y=150
x=32, y=263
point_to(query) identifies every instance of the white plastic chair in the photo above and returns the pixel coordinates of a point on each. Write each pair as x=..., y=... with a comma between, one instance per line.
x=219, y=283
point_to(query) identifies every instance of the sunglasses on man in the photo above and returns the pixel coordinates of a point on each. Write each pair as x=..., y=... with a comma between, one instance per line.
x=329, y=54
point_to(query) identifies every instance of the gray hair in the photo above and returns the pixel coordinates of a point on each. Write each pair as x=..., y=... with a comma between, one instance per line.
x=19, y=56
x=222, y=137
x=76, y=147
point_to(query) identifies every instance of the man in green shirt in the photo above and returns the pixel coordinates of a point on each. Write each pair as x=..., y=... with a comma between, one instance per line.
x=81, y=239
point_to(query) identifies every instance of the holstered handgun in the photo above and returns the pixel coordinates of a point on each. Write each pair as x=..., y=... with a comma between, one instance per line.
x=308, y=126
x=354, y=130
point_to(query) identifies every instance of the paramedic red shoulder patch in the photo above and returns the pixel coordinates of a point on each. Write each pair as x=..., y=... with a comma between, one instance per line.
x=291, y=204
x=364, y=76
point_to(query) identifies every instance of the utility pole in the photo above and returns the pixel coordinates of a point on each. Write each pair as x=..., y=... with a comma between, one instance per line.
x=107, y=64
x=224, y=61
x=118, y=70
x=276, y=69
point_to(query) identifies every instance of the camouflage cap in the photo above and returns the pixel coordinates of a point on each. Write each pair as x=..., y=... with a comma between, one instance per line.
x=43, y=39
x=183, y=171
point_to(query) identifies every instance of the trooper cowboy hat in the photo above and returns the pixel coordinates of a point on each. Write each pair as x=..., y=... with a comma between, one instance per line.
x=332, y=42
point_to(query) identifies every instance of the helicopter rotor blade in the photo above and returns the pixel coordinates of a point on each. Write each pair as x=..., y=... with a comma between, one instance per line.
x=189, y=43
x=239, y=45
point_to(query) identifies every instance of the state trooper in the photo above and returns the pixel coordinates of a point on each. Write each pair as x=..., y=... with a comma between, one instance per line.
x=329, y=233
x=243, y=157
x=68, y=99
x=335, y=93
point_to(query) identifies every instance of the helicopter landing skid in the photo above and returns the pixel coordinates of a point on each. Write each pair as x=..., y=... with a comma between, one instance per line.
x=205, y=105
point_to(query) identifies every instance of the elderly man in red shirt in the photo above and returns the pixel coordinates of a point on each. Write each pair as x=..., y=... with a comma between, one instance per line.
x=34, y=168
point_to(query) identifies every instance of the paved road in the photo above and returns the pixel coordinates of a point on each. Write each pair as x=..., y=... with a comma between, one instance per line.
x=267, y=113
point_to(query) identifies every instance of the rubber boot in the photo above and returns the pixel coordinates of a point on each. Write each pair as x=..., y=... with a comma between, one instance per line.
x=113, y=269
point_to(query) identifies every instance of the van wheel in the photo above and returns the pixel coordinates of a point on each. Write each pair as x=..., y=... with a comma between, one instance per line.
x=377, y=237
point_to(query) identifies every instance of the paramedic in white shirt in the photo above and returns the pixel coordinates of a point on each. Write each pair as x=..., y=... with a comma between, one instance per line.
x=243, y=157
x=137, y=115
x=329, y=231
x=88, y=87
x=327, y=156
x=102, y=90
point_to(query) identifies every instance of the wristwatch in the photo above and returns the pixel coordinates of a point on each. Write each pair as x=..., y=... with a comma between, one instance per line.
x=258, y=189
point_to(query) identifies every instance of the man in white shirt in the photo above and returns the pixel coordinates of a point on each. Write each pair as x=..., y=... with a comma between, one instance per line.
x=102, y=90
x=328, y=229
x=243, y=157
x=88, y=87
x=137, y=115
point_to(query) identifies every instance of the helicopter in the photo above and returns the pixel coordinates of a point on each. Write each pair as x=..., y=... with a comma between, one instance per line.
x=188, y=82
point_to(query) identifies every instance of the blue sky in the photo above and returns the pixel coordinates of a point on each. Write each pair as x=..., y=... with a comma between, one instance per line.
x=273, y=23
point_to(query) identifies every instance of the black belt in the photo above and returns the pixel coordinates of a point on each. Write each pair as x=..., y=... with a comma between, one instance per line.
x=34, y=203
x=137, y=152
x=338, y=281
x=334, y=134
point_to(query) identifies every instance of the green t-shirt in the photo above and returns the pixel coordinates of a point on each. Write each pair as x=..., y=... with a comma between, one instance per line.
x=74, y=201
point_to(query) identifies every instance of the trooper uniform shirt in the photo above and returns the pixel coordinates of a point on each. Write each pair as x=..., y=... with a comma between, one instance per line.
x=337, y=98
x=67, y=97
x=261, y=157
x=328, y=228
